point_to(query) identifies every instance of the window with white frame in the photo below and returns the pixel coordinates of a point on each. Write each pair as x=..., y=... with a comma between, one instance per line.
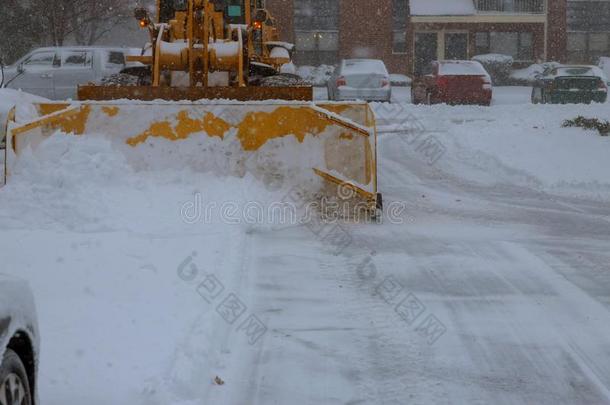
x=588, y=47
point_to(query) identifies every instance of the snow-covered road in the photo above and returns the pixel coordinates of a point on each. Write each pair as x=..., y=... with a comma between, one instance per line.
x=494, y=289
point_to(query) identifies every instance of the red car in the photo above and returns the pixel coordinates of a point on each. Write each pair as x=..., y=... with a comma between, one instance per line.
x=453, y=82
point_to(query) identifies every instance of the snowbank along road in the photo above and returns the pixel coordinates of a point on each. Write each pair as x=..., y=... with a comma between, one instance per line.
x=487, y=282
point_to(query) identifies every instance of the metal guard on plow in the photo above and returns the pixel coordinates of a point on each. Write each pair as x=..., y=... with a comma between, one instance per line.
x=149, y=93
x=336, y=141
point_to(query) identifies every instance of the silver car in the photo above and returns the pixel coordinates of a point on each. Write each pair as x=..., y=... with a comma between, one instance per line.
x=360, y=79
x=19, y=343
x=55, y=73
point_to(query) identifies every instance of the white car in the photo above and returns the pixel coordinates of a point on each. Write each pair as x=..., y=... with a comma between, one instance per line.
x=360, y=79
x=19, y=343
x=55, y=73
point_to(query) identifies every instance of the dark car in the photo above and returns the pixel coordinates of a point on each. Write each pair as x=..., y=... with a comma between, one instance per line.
x=453, y=82
x=19, y=343
x=571, y=85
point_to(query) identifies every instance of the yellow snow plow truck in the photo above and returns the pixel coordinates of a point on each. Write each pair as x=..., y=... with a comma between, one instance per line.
x=215, y=74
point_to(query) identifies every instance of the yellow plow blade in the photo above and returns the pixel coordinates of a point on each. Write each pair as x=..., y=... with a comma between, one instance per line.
x=292, y=140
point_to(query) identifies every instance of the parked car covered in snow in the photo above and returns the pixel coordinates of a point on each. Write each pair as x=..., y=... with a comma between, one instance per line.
x=19, y=343
x=360, y=79
x=453, y=82
x=571, y=84
x=55, y=73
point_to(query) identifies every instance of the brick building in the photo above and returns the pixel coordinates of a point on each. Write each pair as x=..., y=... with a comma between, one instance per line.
x=407, y=34
x=588, y=30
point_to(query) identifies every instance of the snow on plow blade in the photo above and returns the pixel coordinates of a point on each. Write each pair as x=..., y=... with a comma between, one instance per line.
x=285, y=140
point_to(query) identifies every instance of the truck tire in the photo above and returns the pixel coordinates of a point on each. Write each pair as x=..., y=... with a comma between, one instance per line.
x=536, y=95
x=283, y=80
x=14, y=383
x=120, y=79
x=132, y=76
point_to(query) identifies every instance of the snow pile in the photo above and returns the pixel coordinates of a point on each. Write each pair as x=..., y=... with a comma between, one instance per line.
x=498, y=66
x=604, y=64
x=70, y=174
x=316, y=75
x=10, y=98
x=364, y=66
x=104, y=245
x=462, y=68
x=400, y=80
x=490, y=146
x=493, y=58
x=531, y=73
x=288, y=68
x=26, y=112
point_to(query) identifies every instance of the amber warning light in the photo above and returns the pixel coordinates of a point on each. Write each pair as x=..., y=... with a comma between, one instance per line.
x=142, y=16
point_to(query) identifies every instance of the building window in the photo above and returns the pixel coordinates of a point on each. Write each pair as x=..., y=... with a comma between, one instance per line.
x=526, y=46
x=324, y=41
x=481, y=42
x=399, y=19
x=316, y=25
x=399, y=42
x=598, y=42
x=519, y=45
x=588, y=47
x=588, y=16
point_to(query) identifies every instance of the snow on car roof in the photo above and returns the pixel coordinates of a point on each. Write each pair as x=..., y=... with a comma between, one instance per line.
x=442, y=7
x=578, y=71
x=461, y=68
x=357, y=66
x=68, y=48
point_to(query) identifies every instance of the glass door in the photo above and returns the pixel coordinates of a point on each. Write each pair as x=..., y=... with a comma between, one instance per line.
x=426, y=50
x=456, y=46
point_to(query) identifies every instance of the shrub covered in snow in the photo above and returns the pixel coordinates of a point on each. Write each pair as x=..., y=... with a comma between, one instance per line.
x=604, y=64
x=530, y=74
x=316, y=75
x=603, y=127
x=498, y=66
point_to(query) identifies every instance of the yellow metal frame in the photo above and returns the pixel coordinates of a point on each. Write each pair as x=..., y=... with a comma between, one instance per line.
x=261, y=123
x=10, y=118
x=199, y=58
